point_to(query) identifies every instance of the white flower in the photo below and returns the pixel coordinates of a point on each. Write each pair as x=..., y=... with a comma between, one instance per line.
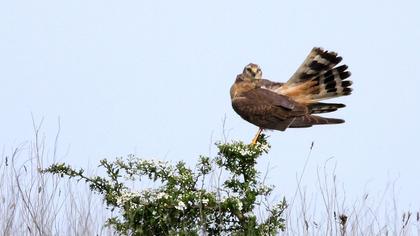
x=264, y=147
x=181, y=206
x=239, y=203
x=162, y=195
x=125, y=197
x=244, y=152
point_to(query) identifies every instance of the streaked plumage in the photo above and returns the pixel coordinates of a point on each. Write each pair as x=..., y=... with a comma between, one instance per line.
x=278, y=106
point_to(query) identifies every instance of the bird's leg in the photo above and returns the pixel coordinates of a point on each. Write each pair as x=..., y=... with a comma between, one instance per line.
x=254, y=141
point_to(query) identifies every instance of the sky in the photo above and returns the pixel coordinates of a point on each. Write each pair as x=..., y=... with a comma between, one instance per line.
x=153, y=77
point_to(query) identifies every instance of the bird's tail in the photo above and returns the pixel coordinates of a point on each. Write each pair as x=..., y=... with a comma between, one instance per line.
x=329, y=84
x=319, y=107
x=309, y=120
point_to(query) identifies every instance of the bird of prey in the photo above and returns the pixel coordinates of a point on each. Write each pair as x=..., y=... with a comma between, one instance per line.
x=278, y=106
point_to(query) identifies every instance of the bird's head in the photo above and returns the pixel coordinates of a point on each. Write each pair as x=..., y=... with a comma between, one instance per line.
x=252, y=71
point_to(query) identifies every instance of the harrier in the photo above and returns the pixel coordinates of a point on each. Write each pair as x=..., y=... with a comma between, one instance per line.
x=278, y=106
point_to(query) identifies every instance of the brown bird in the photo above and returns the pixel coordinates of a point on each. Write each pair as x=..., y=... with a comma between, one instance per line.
x=278, y=106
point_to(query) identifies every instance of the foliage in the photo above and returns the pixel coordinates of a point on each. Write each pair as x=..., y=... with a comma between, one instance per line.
x=181, y=205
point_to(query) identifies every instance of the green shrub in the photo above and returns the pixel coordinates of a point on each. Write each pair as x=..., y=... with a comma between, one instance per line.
x=182, y=204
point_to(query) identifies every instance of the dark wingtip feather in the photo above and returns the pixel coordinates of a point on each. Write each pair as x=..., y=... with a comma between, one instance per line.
x=325, y=120
x=346, y=83
x=315, y=65
x=335, y=121
x=330, y=85
x=339, y=121
x=332, y=90
x=347, y=90
x=320, y=107
x=344, y=75
x=340, y=105
x=342, y=68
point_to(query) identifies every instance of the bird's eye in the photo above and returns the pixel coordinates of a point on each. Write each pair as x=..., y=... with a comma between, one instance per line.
x=250, y=70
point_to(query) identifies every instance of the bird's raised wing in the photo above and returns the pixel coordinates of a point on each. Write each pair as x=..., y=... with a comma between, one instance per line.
x=317, y=62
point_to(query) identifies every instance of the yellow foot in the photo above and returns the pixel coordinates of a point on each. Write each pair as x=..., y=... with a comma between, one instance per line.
x=255, y=139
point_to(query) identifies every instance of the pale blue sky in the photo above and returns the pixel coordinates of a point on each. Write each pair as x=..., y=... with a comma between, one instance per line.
x=153, y=78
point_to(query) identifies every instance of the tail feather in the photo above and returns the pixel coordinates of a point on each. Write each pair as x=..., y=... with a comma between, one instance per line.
x=317, y=62
x=329, y=84
x=316, y=108
x=309, y=120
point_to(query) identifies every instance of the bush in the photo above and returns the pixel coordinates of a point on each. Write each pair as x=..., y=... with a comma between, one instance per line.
x=181, y=204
